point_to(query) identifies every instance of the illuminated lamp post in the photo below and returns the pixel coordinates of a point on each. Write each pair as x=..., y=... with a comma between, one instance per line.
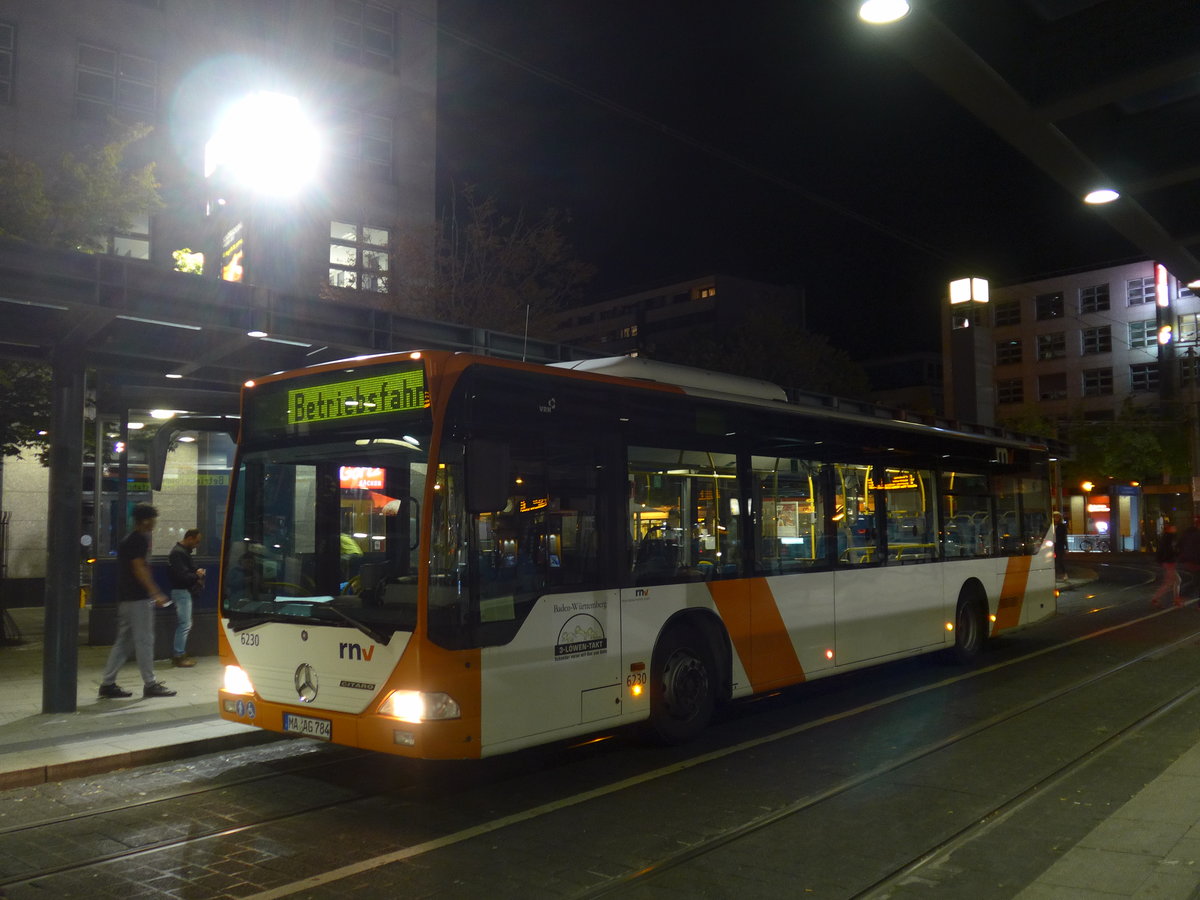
x=882, y=12
x=968, y=351
x=263, y=152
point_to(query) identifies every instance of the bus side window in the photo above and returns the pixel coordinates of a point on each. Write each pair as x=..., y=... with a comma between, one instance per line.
x=685, y=510
x=792, y=518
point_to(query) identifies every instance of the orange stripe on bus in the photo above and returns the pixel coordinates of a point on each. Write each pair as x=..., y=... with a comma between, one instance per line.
x=1012, y=593
x=757, y=631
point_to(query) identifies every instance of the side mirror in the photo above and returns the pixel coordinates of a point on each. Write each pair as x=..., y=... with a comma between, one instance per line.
x=488, y=464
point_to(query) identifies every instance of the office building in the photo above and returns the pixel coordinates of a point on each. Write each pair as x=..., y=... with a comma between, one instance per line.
x=670, y=315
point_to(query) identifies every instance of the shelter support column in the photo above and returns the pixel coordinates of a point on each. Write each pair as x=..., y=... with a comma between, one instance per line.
x=60, y=666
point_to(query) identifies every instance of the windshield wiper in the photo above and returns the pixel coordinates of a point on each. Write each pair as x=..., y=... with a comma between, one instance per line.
x=255, y=621
x=361, y=626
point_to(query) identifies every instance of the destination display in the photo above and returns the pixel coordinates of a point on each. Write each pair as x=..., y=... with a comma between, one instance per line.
x=334, y=399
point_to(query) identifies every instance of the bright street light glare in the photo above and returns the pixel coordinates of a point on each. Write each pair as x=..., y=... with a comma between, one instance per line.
x=1102, y=195
x=881, y=12
x=267, y=143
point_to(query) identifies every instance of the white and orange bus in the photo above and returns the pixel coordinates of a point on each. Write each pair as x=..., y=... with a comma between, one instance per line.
x=442, y=555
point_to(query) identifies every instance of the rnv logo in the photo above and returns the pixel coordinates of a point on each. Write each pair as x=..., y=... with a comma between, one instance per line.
x=355, y=651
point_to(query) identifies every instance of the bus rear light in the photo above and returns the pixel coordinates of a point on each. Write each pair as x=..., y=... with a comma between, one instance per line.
x=419, y=706
x=829, y=654
x=237, y=681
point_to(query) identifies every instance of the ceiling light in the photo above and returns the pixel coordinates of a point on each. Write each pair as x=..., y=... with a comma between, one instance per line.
x=1101, y=196
x=256, y=333
x=881, y=12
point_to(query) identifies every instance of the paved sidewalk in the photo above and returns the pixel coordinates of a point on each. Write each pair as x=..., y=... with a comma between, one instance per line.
x=102, y=735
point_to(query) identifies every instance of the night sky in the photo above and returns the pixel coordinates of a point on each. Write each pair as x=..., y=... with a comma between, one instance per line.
x=772, y=140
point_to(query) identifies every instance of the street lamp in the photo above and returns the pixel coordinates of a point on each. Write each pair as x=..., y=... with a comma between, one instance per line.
x=264, y=150
x=266, y=144
x=882, y=12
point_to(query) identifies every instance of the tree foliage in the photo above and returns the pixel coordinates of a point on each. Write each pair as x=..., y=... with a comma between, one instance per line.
x=775, y=349
x=488, y=269
x=77, y=202
x=1144, y=444
x=73, y=204
x=25, y=400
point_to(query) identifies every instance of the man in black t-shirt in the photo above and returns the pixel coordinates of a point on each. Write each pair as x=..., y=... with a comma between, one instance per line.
x=137, y=595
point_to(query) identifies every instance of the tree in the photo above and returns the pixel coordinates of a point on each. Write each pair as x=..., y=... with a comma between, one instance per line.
x=24, y=407
x=74, y=204
x=489, y=270
x=775, y=349
x=77, y=202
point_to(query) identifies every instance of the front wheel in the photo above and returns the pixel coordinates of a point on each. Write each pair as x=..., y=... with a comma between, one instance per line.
x=682, y=687
x=970, y=631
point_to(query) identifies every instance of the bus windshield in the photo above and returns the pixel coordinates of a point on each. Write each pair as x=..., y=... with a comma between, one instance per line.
x=327, y=532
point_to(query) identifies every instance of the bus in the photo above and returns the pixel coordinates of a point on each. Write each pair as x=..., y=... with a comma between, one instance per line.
x=449, y=556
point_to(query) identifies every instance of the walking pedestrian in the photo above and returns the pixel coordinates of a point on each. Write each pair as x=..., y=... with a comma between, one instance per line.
x=187, y=583
x=1167, y=556
x=1189, y=556
x=137, y=595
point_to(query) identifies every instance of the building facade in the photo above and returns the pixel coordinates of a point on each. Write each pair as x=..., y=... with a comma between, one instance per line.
x=669, y=315
x=1078, y=348
x=364, y=71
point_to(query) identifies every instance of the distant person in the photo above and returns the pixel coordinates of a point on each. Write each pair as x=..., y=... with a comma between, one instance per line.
x=1060, y=547
x=1189, y=556
x=1167, y=556
x=187, y=583
x=137, y=595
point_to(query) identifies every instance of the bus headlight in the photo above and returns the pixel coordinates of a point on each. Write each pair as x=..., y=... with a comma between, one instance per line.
x=237, y=681
x=419, y=706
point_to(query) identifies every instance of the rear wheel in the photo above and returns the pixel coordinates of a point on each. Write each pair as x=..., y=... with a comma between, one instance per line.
x=682, y=686
x=970, y=630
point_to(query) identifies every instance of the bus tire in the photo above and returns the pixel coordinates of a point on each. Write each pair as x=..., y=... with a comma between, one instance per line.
x=682, y=686
x=970, y=629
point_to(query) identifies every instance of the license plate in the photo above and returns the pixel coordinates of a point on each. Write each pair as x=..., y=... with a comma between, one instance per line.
x=321, y=729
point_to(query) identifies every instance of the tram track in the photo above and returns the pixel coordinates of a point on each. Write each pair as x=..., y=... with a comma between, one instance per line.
x=1004, y=808
x=649, y=871
x=42, y=831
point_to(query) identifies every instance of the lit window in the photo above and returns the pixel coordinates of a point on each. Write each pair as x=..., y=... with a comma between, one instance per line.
x=133, y=243
x=706, y=292
x=358, y=257
x=1189, y=328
